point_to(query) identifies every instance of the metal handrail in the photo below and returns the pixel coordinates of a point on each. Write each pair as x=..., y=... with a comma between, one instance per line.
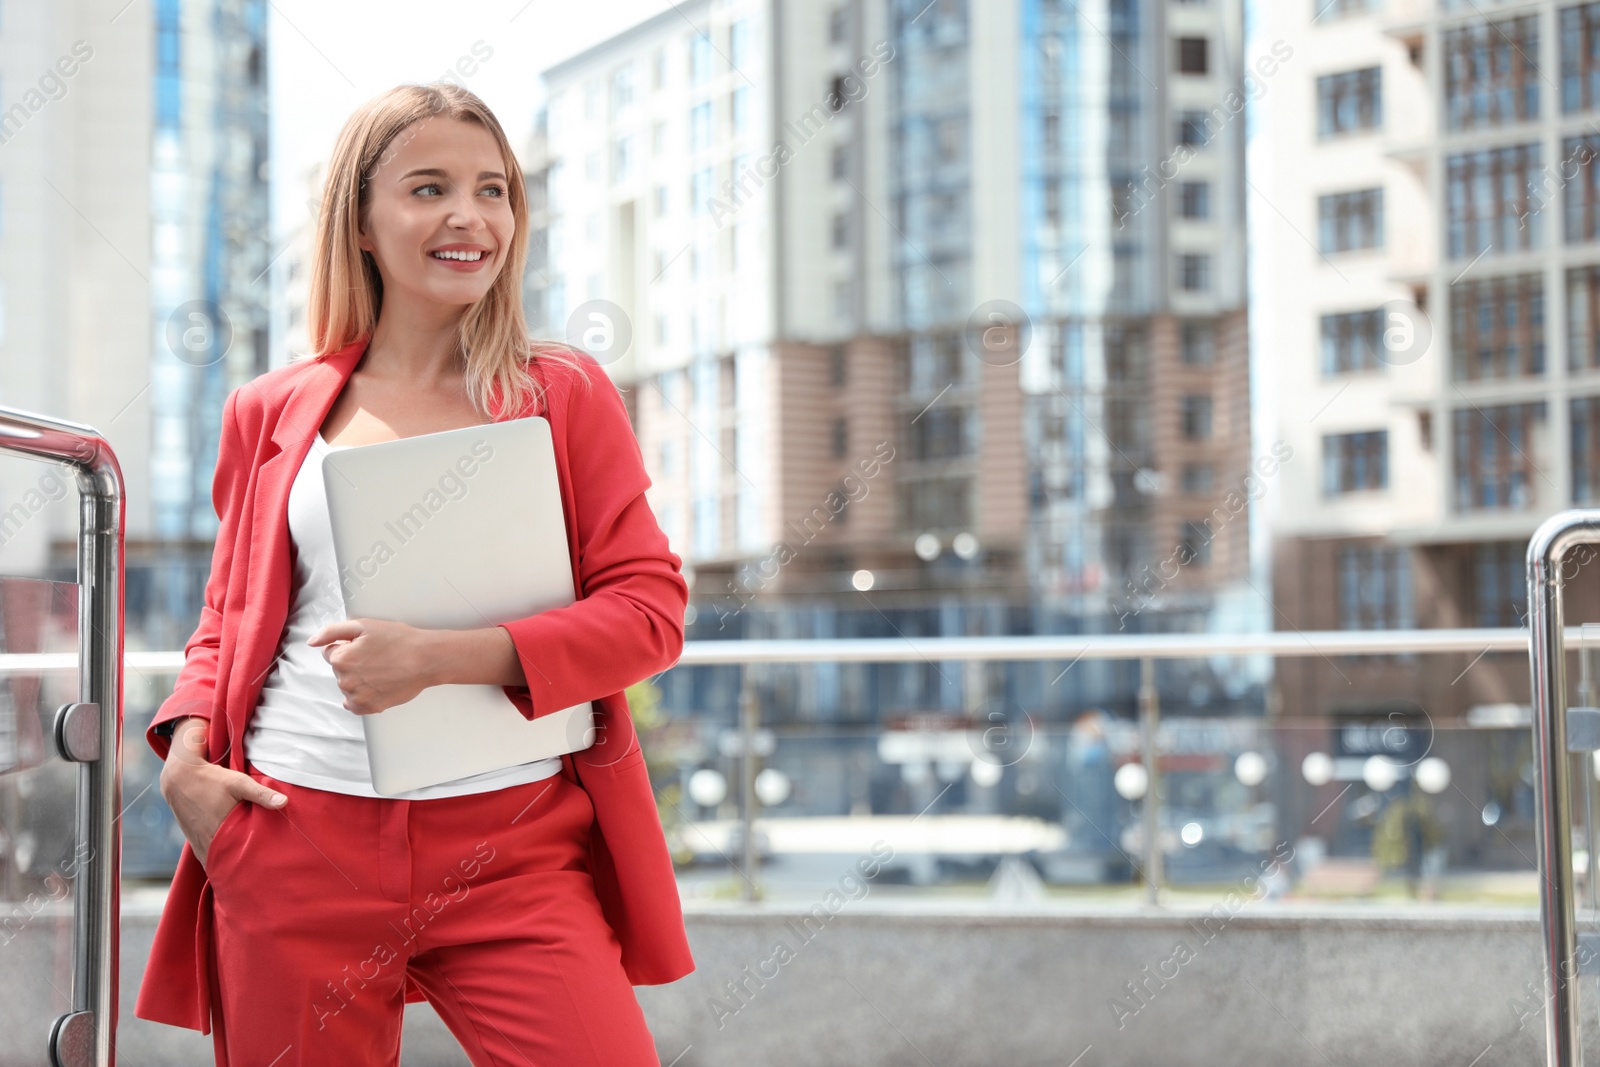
x=93, y=730
x=1043, y=647
x=1547, y=553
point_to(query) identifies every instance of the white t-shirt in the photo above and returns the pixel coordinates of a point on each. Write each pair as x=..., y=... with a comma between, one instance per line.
x=301, y=732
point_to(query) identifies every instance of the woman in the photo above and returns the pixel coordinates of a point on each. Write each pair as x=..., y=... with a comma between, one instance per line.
x=523, y=903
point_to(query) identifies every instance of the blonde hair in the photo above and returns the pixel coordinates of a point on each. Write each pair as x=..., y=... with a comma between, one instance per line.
x=347, y=291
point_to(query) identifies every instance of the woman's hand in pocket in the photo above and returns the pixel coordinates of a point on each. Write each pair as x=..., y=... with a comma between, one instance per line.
x=201, y=793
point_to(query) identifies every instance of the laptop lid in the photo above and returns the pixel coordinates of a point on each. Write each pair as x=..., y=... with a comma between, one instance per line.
x=459, y=529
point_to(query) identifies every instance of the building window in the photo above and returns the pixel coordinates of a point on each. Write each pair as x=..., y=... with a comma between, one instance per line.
x=939, y=433
x=841, y=230
x=1350, y=221
x=739, y=43
x=1583, y=318
x=1194, y=272
x=1196, y=414
x=1197, y=343
x=1052, y=134
x=1488, y=201
x=699, y=59
x=621, y=89
x=839, y=91
x=622, y=159
x=658, y=66
x=1194, y=544
x=1585, y=418
x=927, y=504
x=1493, y=455
x=700, y=191
x=841, y=436
x=1497, y=327
x=936, y=360
x=1332, y=9
x=836, y=366
x=1191, y=55
x=661, y=201
x=1197, y=477
x=1127, y=425
x=1352, y=341
x=1195, y=198
x=839, y=163
x=1375, y=588
x=1352, y=462
x=1192, y=131
x=837, y=25
x=950, y=140
x=700, y=127
x=1127, y=354
x=1352, y=100
x=1582, y=192
x=1500, y=582
x=1580, y=57
x=1122, y=200
x=1491, y=74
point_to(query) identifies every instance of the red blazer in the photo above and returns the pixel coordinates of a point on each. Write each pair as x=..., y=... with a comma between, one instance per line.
x=626, y=625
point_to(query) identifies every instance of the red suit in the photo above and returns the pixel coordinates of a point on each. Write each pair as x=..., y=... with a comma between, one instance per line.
x=626, y=625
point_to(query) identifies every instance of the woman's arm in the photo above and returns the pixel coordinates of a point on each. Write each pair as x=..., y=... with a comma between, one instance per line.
x=194, y=690
x=473, y=657
x=628, y=622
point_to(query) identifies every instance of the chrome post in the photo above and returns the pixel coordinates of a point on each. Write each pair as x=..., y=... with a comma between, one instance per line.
x=85, y=1035
x=749, y=723
x=1547, y=551
x=1149, y=725
x=1586, y=697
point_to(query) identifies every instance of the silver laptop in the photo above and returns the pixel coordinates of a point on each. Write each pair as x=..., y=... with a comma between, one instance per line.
x=454, y=530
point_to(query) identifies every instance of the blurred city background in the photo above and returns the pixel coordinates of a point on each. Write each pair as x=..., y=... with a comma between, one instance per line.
x=1116, y=319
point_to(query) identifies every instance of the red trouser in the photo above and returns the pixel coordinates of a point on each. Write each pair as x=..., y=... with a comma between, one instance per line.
x=324, y=905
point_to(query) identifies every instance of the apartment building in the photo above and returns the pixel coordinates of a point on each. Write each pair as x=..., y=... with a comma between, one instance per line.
x=931, y=317
x=1426, y=268
x=132, y=241
x=133, y=221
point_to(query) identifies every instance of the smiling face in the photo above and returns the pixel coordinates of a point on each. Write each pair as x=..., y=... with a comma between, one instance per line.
x=439, y=220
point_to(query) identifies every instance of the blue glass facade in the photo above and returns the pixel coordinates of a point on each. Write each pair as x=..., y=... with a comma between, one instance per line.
x=932, y=174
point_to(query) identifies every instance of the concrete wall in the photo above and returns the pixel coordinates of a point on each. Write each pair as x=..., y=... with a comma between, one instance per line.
x=875, y=986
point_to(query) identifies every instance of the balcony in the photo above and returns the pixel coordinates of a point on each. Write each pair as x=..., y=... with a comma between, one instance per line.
x=1006, y=849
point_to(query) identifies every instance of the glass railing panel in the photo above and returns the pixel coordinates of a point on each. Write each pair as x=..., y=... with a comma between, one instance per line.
x=39, y=851
x=942, y=806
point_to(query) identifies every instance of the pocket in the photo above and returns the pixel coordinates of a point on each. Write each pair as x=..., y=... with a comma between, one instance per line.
x=224, y=833
x=618, y=765
x=627, y=763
